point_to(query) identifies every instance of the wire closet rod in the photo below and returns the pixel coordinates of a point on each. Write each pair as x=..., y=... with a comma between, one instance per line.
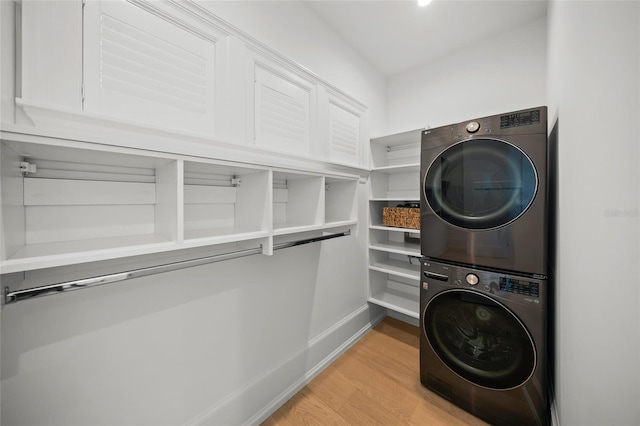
x=30, y=293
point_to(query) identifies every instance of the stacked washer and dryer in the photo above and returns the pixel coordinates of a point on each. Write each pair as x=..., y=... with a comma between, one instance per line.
x=483, y=296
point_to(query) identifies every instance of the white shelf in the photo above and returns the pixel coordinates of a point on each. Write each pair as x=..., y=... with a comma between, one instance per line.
x=394, y=199
x=394, y=229
x=399, y=297
x=338, y=224
x=398, y=302
x=396, y=150
x=401, y=168
x=297, y=202
x=35, y=256
x=397, y=247
x=292, y=228
x=224, y=203
x=340, y=200
x=88, y=203
x=398, y=268
x=395, y=179
x=204, y=237
x=396, y=183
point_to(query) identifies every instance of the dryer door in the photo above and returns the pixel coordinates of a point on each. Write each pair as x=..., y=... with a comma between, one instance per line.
x=479, y=339
x=480, y=184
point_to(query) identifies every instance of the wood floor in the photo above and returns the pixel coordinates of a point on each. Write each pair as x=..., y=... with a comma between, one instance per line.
x=377, y=381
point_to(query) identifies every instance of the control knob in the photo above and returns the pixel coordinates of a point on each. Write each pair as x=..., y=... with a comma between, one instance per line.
x=472, y=279
x=473, y=127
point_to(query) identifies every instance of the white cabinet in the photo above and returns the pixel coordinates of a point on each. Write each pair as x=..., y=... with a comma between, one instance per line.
x=342, y=127
x=49, y=53
x=281, y=107
x=169, y=76
x=394, y=267
x=143, y=68
x=67, y=202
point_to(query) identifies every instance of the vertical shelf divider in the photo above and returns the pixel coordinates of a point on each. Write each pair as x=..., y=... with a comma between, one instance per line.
x=169, y=192
x=267, y=247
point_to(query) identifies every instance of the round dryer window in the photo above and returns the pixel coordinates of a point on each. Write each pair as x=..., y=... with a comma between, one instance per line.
x=480, y=184
x=479, y=339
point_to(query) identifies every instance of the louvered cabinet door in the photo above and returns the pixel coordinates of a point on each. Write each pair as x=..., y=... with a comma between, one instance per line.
x=344, y=134
x=143, y=68
x=282, y=111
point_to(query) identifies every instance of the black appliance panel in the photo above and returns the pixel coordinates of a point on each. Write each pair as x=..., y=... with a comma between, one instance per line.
x=484, y=192
x=483, y=342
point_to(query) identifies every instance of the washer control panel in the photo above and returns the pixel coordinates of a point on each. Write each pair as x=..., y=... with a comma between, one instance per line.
x=513, y=285
x=507, y=286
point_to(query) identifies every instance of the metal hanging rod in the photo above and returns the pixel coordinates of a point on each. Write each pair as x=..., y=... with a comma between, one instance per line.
x=30, y=293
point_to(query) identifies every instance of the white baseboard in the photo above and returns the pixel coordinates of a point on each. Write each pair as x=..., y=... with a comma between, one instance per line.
x=255, y=402
x=404, y=318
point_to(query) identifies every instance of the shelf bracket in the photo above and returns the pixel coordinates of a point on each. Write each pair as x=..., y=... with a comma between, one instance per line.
x=27, y=168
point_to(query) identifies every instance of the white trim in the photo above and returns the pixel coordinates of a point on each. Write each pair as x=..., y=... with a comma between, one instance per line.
x=116, y=133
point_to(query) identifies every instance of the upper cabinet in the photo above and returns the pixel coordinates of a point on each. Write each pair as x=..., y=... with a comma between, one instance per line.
x=173, y=77
x=48, y=53
x=138, y=65
x=345, y=128
x=282, y=107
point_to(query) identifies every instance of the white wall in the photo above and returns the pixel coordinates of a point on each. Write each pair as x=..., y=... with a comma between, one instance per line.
x=492, y=76
x=594, y=91
x=292, y=29
x=214, y=344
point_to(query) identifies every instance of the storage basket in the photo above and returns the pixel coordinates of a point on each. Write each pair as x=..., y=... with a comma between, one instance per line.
x=401, y=217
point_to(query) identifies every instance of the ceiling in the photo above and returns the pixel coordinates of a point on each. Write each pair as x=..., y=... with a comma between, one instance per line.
x=397, y=35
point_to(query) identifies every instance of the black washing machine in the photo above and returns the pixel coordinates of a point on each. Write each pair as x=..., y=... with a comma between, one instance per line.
x=484, y=195
x=483, y=342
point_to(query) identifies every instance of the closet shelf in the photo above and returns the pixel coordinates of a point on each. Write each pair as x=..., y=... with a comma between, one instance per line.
x=402, y=168
x=394, y=199
x=404, y=302
x=395, y=179
x=398, y=268
x=394, y=229
x=397, y=247
x=82, y=203
x=202, y=237
x=47, y=255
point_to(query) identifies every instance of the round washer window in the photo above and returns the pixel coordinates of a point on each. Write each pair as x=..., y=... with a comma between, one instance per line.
x=479, y=339
x=481, y=184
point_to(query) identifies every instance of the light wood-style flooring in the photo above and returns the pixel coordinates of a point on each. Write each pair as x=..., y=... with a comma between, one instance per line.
x=377, y=381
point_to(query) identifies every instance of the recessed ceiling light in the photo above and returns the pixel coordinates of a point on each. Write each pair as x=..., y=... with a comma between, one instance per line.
x=423, y=3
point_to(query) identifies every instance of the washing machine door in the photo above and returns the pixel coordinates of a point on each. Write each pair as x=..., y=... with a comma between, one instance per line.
x=479, y=339
x=480, y=183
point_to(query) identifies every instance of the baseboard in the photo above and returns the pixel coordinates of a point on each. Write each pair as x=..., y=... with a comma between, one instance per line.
x=404, y=318
x=255, y=402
